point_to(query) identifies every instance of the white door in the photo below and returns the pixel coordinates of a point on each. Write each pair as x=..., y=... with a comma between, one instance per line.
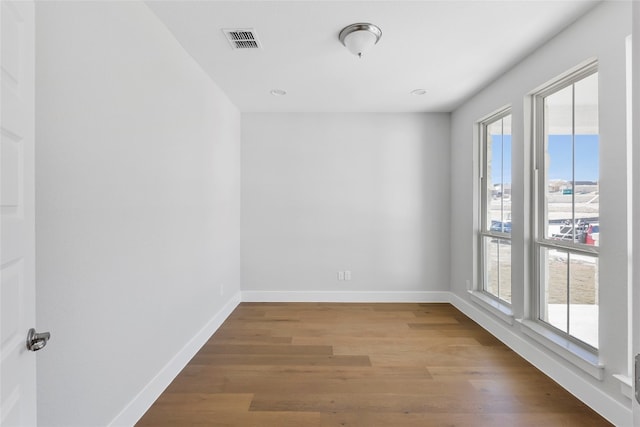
x=17, y=226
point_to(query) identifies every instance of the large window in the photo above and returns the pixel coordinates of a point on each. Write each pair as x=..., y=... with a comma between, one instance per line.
x=566, y=206
x=495, y=205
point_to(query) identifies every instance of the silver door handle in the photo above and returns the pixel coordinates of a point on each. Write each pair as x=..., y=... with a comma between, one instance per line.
x=36, y=341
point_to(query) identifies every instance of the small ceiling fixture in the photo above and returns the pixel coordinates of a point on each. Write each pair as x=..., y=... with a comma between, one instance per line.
x=278, y=92
x=418, y=92
x=358, y=38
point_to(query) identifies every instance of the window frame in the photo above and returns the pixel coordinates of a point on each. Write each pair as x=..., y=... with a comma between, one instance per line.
x=539, y=206
x=484, y=231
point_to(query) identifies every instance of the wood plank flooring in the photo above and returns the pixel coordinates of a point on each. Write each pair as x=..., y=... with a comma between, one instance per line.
x=365, y=365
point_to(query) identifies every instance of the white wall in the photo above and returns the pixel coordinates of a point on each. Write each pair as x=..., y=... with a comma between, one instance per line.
x=322, y=193
x=138, y=157
x=601, y=33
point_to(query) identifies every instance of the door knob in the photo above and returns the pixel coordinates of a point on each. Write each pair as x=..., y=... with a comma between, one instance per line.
x=36, y=341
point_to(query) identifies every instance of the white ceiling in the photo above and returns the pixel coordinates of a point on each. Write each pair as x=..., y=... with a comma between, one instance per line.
x=450, y=48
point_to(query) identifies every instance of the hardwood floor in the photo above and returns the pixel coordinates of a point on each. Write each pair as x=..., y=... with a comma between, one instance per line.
x=391, y=365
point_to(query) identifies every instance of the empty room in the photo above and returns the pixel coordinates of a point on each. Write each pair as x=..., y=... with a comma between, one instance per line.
x=320, y=213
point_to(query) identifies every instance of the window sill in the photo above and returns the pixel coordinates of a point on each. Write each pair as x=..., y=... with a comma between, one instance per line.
x=495, y=307
x=570, y=351
x=626, y=386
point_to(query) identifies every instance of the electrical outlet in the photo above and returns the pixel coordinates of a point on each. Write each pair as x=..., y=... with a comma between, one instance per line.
x=221, y=289
x=340, y=275
x=347, y=275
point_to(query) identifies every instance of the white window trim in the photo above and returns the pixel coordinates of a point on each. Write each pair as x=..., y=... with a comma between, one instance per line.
x=626, y=385
x=493, y=303
x=564, y=347
x=575, y=351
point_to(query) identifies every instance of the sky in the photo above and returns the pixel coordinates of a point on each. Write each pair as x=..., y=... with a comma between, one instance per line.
x=559, y=158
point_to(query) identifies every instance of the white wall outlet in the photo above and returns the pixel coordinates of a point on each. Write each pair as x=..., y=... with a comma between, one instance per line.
x=468, y=285
x=347, y=275
x=221, y=289
x=340, y=275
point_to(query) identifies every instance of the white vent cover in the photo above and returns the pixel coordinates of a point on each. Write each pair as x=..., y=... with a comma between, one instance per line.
x=242, y=38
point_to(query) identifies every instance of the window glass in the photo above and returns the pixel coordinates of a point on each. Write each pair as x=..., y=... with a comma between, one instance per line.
x=571, y=159
x=583, y=298
x=499, y=175
x=569, y=294
x=498, y=267
x=567, y=207
x=491, y=264
x=495, y=230
x=554, y=274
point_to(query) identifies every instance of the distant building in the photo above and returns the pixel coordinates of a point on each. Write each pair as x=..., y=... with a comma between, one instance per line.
x=560, y=185
x=501, y=189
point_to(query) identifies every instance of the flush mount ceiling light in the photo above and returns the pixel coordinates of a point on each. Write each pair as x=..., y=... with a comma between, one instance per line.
x=278, y=92
x=418, y=92
x=358, y=38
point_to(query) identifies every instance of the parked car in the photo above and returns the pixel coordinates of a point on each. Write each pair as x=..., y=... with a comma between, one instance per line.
x=500, y=226
x=585, y=232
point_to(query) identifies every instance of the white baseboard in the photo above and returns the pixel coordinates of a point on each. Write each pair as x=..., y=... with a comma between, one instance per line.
x=345, y=296
x=602, y=403
x=132, y=413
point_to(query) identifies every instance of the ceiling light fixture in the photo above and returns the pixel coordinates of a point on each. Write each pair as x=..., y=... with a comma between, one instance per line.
x=278, y=92
x=358, y=38
x=418, y=92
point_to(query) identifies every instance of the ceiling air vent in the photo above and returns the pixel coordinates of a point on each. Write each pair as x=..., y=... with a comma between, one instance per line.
x=242, y=38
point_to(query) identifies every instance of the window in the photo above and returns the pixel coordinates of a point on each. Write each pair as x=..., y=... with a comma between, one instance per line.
x=566, y=206
x=495, y=205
